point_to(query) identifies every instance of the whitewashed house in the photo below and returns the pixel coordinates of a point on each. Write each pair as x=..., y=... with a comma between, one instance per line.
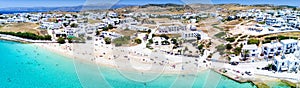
x=191, y=35
x=101, y=25
x=250, y=51
x=170, y=29
x=287, y=62
x=3, y=21
x=112, y=35
x=270, y=50
x=158, y=40
x=70, y=31
x=128, y=15
x=109, y=21
x=271, y=21
x=112, y=14
x=44, y=25
x=289, y=45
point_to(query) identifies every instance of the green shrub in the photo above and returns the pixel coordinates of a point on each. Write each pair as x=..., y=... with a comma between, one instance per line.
x=110, y=26
x=228, y=46
x=149, y=31
x=61, y=40
x=253, y=41
x=232, y=39
x=121, y=40
x=174, y=41
x=220, y=48
x=28, y=35
x=200, y=47
x=220, y=34
x=138, y=41
x=165, y=36
x=150, y=41
x=105, y=29
x=107, y=40
x=237, y=50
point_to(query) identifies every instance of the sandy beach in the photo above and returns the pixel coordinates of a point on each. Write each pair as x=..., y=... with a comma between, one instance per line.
x=129, y=59
x=140, y=59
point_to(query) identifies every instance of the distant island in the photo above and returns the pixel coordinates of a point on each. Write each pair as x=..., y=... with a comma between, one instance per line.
x=10, y=10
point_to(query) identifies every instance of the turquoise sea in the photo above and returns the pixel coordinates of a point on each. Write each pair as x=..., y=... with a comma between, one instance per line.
x=26, y=66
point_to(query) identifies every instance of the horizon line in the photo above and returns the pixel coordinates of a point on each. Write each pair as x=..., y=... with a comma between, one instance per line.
x=147, y=4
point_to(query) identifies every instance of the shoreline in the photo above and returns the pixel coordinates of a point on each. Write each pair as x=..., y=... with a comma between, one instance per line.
x=260, y=81
x=68, y=54
x=257, y=81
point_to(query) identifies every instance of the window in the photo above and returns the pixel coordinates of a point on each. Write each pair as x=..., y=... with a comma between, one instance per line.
x=272, y=50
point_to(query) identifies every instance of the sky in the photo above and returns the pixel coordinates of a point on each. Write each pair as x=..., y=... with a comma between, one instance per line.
x=59, y=3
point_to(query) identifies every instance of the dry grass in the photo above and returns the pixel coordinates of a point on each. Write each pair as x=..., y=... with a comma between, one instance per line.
x=126, y=32
x=234, y=22
x=21, y=27
x=51, y=20
x=94, y=21
x=227, y=27
x=290, y=34
x=163, y=20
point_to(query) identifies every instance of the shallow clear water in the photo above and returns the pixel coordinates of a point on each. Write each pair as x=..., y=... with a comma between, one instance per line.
x=26, y=66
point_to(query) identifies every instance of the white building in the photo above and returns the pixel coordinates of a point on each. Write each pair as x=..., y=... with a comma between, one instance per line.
x=191, y=35
x=286, y=62
x=251, y=49
x=272, y=49
x=170, y=29
x=112, y=35
x=2, y=21
x=289, y=45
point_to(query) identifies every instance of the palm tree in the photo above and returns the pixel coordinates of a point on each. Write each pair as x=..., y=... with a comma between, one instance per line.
x=246, y=52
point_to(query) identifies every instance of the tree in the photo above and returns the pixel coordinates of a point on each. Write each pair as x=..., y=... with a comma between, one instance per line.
x=110, y=26
x=74, y=25
x=70, y=40
x=138, y=41
x=174, y=41
x=165, y=36
x=228, y=46
x=237, y=50
x=149, y=31
x=97, y=32
x=198, y=37
x=105, y=29
x=150, y=41
x=61, y=40
x=47, y=37
x=246, y=53
x=200, y=47
x=230, y=39
x=107, y=40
